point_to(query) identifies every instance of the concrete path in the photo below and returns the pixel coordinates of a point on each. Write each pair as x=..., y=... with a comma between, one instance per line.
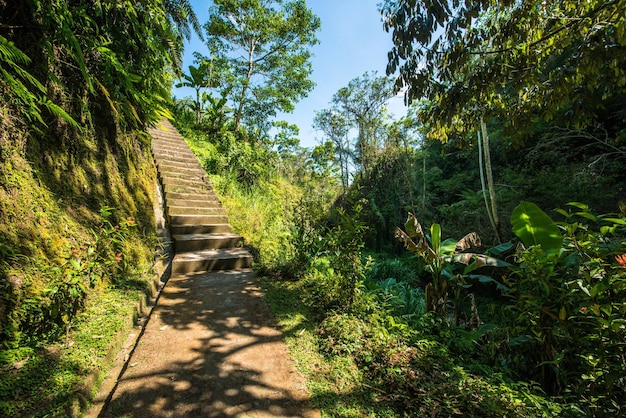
x=210, y=349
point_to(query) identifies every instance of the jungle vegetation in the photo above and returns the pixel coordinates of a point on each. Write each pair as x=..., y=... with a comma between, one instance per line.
x=467, y=259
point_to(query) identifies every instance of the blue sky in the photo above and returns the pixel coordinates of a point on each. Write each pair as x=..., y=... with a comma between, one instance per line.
x=352, y=41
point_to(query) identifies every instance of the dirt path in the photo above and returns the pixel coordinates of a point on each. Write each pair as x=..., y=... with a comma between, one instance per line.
x=210, y=349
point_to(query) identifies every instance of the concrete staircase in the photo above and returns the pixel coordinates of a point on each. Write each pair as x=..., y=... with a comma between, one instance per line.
x=198, y=224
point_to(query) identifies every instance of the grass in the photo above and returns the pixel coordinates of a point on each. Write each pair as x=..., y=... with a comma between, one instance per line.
x=58, y=380
x=335, y=383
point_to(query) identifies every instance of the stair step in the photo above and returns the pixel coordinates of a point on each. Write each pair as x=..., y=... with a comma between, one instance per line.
x=198, y=219
x=202, y=203
x=194, y=210
x=178, y=159
x=199, y=242
x=220, y=259
x=211, y=196
x=185, y=180
x=198, y=189
x=201, y=229
x=180, y=171
x=169, y=151
x=178, y=165
x=176, y=150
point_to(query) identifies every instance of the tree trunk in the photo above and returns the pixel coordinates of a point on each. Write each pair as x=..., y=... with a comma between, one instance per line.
x=246, y=84
x=486, y=171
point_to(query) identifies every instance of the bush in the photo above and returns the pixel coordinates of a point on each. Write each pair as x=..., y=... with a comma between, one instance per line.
x=392, y=268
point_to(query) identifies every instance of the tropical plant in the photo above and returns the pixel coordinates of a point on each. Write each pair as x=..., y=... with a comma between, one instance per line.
x=198, y=78
x=440, y=258
x=568, y=292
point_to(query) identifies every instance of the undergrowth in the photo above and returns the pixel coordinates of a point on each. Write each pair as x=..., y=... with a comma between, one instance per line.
x=50, y=380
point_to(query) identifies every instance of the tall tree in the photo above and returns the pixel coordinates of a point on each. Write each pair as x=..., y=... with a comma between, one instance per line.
x=362, y=101
x=266, y=45
x=508, y=59
x=335, y=128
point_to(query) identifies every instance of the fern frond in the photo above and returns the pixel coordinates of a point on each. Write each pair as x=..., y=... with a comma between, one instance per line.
x=107, y=96
x=11, y=54
x=58, y=111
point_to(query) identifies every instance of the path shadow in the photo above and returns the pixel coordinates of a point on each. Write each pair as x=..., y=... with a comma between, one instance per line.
x=210, y=349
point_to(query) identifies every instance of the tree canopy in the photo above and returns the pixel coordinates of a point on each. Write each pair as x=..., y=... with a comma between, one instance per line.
x=514, y=60
x=265, y=47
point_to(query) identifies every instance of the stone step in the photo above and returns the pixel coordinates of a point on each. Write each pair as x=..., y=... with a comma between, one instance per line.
x=170, y=182
x=209, y=199
x=171, y=144
x=211, y=196
x=183, y=180
x=197, y=189
x=179, y=166
x=202, y=203
x=198, y=219
x=201, y=229
x=167, y=150
x=221, y=259
x=199, y=242
x=181, y=170
x=194, y=210
x=177, y=158
x=170, y=136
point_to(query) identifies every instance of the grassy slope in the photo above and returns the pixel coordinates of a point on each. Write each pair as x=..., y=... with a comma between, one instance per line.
x=51, y=192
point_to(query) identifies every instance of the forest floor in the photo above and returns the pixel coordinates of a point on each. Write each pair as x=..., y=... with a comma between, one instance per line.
x=210, y=348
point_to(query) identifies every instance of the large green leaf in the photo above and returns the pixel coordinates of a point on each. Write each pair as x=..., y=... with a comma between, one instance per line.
x=435, y=238
x=534, y=227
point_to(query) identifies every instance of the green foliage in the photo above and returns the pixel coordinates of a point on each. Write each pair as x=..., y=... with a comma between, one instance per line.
x=91, y=264
x=262, y=48
x=336, y=272
x=120, y=51
x=391, y=268
x=570, y=303
x=534, y=227
x=360, y=106
x=50, y=380
x=507, y=60
x=399, y=299
x=440, y=258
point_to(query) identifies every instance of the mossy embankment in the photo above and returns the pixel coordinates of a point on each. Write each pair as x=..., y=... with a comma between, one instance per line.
x=77, y=241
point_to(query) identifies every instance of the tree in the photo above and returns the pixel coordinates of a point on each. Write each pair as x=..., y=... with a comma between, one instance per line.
x=507, y=59
x=198, y=78
x=265, y=45
x=335, y=128
x=362, y=102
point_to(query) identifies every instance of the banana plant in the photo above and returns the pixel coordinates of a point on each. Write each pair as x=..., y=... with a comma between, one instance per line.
x=441, y=256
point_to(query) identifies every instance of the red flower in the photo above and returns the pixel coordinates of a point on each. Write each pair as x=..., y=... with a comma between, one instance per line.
x=116, y=227
x=583, y=309
x=621, y=260
x=118, y=258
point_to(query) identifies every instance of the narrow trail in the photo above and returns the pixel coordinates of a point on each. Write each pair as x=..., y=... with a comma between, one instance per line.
x=210, y=347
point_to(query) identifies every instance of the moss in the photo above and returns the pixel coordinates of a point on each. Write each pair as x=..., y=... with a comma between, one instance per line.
x=51, y=192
